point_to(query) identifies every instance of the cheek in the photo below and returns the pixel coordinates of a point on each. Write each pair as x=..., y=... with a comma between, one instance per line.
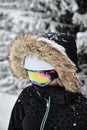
x=53, y=83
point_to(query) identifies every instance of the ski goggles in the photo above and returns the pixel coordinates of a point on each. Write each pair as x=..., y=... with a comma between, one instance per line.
x=42, y=78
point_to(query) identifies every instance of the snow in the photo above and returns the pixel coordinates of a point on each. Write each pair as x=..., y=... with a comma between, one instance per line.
x=83, y=76
x=68, y=5
x=53, y=44
x=82, y=41
x=80, y=19
x=6, y=104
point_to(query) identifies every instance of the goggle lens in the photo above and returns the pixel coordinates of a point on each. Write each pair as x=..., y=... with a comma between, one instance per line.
x=41, y=78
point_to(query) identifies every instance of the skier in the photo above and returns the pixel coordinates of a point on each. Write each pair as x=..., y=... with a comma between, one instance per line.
x=53, y=101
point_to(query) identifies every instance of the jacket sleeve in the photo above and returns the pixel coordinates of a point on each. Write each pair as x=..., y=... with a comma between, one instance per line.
x=17, y=115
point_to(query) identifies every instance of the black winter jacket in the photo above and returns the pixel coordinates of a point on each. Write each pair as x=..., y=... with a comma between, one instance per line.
x=68, y=111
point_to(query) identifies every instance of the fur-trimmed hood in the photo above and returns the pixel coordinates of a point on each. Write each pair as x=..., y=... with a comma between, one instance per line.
x=49, y=52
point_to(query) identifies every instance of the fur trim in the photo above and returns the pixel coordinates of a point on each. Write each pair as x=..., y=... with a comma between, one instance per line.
x=27, y=45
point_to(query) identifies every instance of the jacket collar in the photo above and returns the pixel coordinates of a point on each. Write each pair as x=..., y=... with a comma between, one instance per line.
x=58, y=95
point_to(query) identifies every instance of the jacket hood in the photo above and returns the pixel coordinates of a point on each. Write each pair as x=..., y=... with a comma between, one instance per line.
x=48, y=51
